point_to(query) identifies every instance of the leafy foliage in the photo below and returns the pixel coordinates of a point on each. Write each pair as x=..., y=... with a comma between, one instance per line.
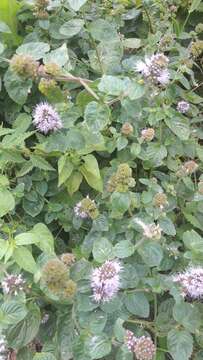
x=114, y=182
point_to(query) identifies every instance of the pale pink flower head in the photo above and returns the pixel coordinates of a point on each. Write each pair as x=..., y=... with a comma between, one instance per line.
x=46, y=118
x=191, y=282
x=154, y=69
x=144, y=348
x=130, y=340
x=183, y=106
x=105, y=281
x=12, y=284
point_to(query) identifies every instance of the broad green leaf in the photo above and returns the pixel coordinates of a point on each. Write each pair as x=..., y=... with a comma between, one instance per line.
x=25, y=331
x=123, y=249
x=24, y=354
x=194, y=5
x=4, y=28
x=17, y=88
x=137, y=304
x=73, y=182
x=102, y=250
x=58, y=56
x=45, y=238
x=41, y=163
x=187, y=315
x=180, y=344
x=65, y=168
x=96, y=116
x=12, y=312
x=90, y=171
x=98, y=346
x=65, y=334
x=71, y=27
x=26, y=239
x=151, y=253
x=112, y=85
x=35, y=49
x=193, y=241
x=120, y=203
x=76, y=4
x=103, y=30
x=24, y=259
x=179, y=126
x=7, y=202
x=132, y=43
x=167, y=226
x=97, y=321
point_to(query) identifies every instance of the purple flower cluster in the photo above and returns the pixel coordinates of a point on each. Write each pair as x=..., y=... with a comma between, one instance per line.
x=105, y=281
x=12, y=284
x=143, y=347
x=191, y=282
x=46, y=118
x=183, y=106
x=154, y=69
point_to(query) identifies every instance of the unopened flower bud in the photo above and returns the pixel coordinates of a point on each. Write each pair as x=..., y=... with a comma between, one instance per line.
x=52, y=69
x=160, y=200
x=46, y=86
x=127, y=129
x=24, y=66
x=148, y=134
x=68, y=258
x=122, y=180
x=40, y=9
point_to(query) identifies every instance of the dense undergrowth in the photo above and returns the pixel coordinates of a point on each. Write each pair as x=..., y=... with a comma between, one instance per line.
x=101, y=184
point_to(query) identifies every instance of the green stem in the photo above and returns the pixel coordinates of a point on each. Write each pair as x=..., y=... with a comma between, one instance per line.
x=143, y=323
x=139, y=243
x=149, y=19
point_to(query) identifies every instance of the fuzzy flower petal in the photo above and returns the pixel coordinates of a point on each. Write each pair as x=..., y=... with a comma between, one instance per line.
x=46, y=118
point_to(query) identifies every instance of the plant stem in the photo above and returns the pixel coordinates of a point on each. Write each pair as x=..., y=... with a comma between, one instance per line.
x=149, y=19
x=139, y=243
x=143, y=323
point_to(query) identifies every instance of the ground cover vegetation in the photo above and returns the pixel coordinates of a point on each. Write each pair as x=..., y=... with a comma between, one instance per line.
x=101, y=182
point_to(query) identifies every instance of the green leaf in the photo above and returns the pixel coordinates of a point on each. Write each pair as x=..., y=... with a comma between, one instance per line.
x=45, y=240
x=194, y=5
x=58, y=56
x=24, y=354
x=65, y=168
x=17, y=88
x=41, y=163
x=90, y=171
x=7, y=202
x=112, y=85
x=96, y=116
x=120, y=203
x=193, y=241
x=97, y=321
x=180, y=344
x=102, y=250
x=12, y=312
x=4, y=28
x=35, y=49
x=24, y=259
x=103, y=30
x=98, y=346
x=167, y=226
x=73, y=182
x=123, y=249
x=65, y=333
x=76, y=4
x=137, y=304
x=151, y=253
x=187, y=315
x=179, y=126
x=25, y=331
x=71, y=27
x=132, y=43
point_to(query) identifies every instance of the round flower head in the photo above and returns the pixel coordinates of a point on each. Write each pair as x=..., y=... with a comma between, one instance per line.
x=46, y=118
x=154, y=69
x=86, y=208
x=130, y=340
x=147, y=134
x=191, y=282
x=144, y=348
x=183, y=106
x=105, y=281
x=150, y=231
x=12, y=284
